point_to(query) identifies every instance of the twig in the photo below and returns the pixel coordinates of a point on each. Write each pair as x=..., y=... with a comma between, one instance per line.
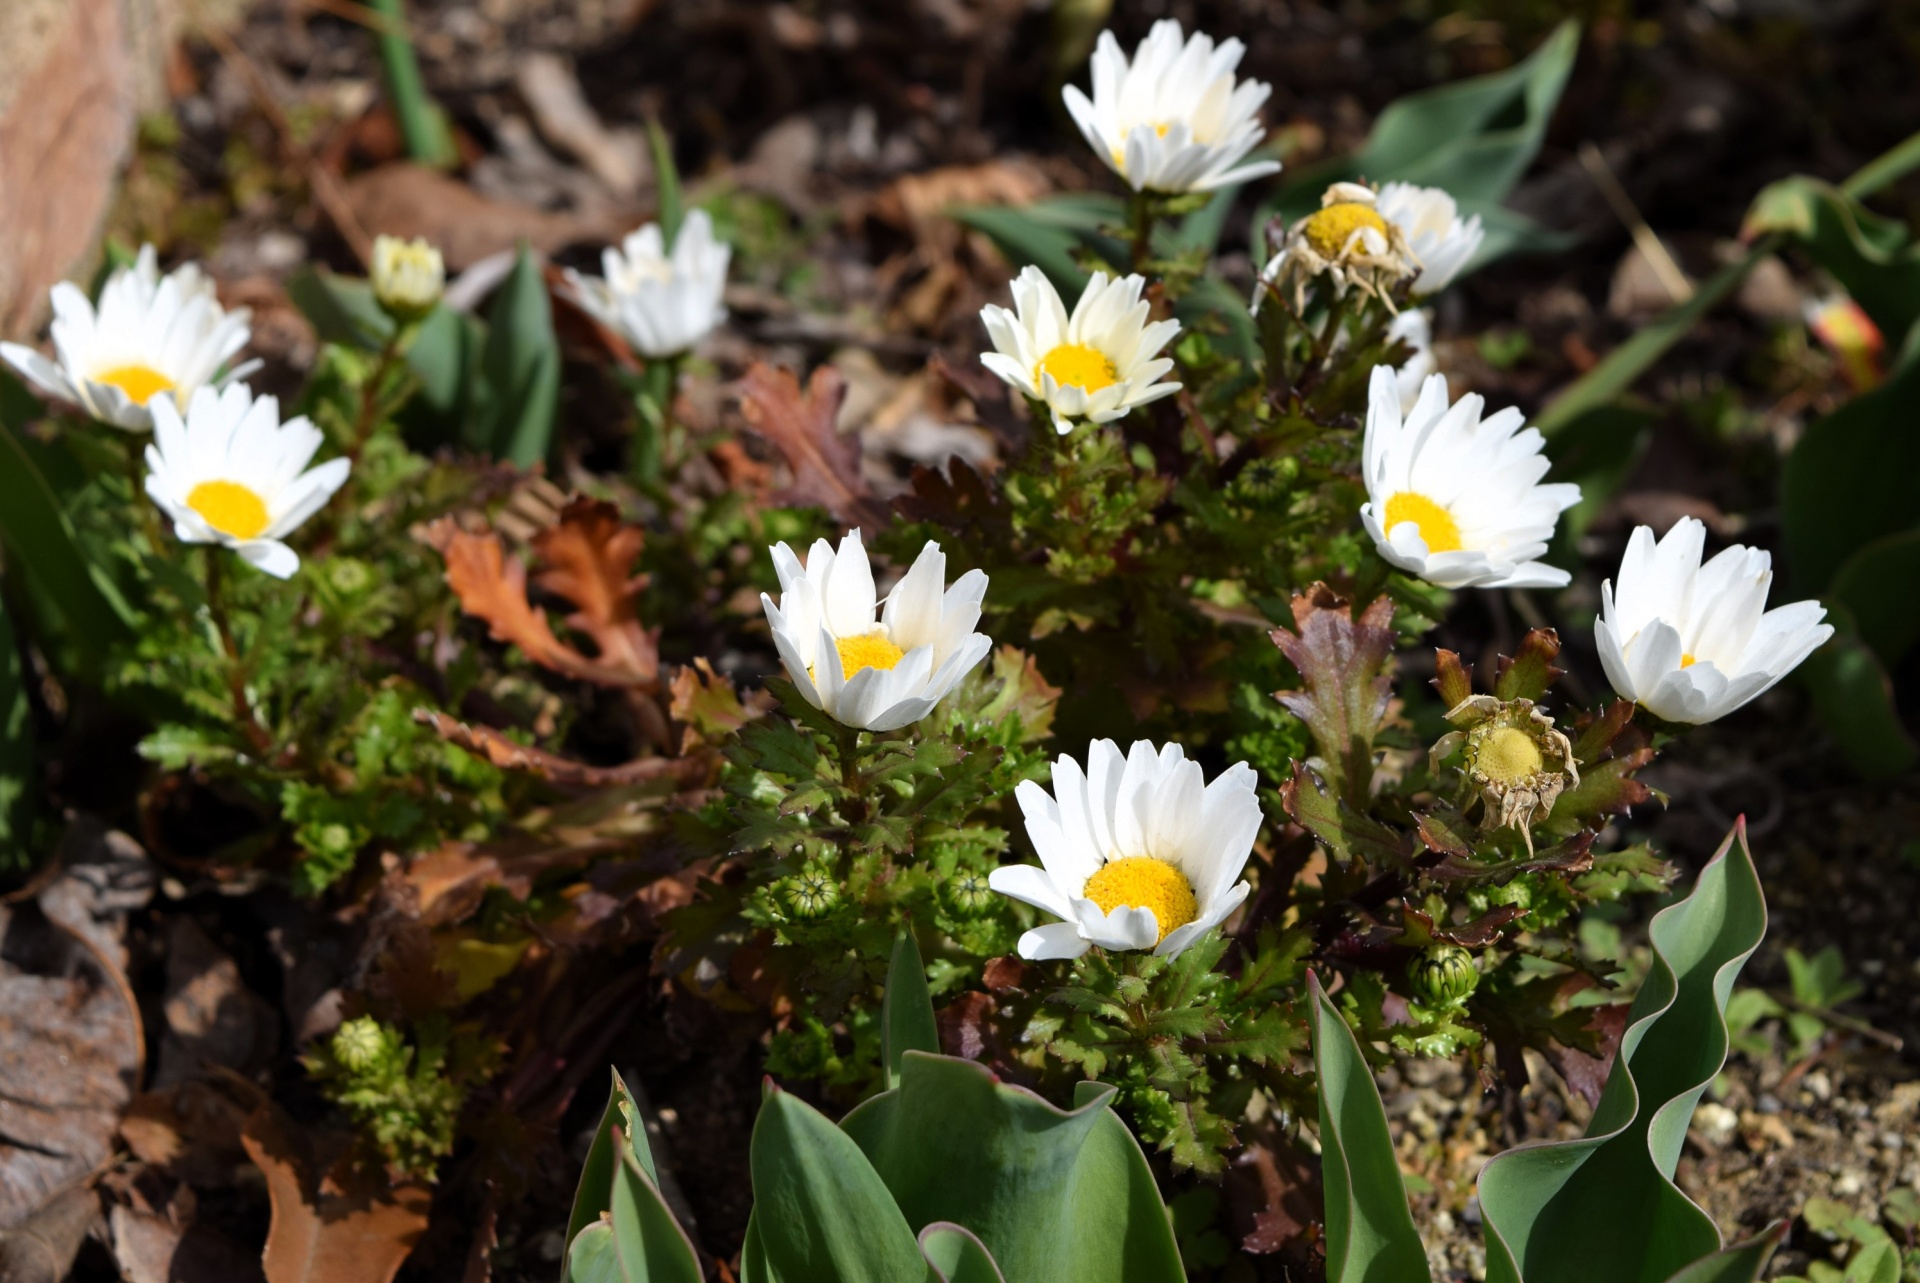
x=1672, y=279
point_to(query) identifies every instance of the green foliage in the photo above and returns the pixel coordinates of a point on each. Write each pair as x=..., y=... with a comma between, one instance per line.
x=405, y=1099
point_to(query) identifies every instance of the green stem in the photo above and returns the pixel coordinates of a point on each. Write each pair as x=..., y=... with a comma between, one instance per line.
x=133, y=447
x=847, y=748
x=370, y=397
x=422, y=125
x=1141, y=211
x=236, y=672
x=653, y=401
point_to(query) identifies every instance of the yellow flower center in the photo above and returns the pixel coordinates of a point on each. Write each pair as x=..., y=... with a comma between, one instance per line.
x=869, y=650
x=1688, y=661
x=1142, y=882
x=1508, y=756
x=1328, y=230
x=230, y=508
x=1077, y=365
x=1438, y=530
x=139, y=382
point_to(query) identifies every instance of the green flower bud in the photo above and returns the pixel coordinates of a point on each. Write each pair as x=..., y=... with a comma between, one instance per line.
x=359, y=1044
x=408, y=277
x=1444, y=975
x=811, y=893
x=968, y=894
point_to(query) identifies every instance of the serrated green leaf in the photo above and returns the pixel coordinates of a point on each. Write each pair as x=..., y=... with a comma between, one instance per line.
x=1370, y=1234
x=1605, y=1208
x=906, y=1013
x=1085, y=1208
x=1271, y=1038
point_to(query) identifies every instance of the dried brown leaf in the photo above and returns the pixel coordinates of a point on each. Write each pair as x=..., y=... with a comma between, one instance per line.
x=589, y=555
x=326, y=1228
x=212, y=1017
x=495, y=747
x=802, y=426
x=1274, y=1196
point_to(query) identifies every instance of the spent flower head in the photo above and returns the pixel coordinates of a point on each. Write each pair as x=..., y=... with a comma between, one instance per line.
x=1441, y=242
x=1172, y=118
x=150, y=334
x=1095, y=365
x=1691, y=642
x=1513, y=755
x=408, y=277
x=1349, y=241
x=875, y=675
x=1136, y=851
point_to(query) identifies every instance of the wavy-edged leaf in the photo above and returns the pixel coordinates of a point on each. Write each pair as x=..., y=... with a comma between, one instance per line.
x=957, y=1256
x=1741, y=1263
x=821, y=1214
x=906, y=1013
x=619, y=1125
x=1084, y=1208
x=1370, y=1233
x=1604, y=1209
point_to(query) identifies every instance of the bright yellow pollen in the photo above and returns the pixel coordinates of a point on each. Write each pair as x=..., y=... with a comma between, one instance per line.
x=1687, y=661
x=1077, y=365
x=139, y=382
x=1508, y=756
x=870, y=650
x=1438, y=530
x=230, y=508
x=1329, y=229
x=1142, y=882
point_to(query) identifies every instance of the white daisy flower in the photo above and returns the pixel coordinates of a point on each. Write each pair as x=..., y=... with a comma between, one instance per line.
x=874, y=675
x=232, y=474
x=1454, y=499
x=1172, y=119
x=662, y=304
x=1691, y=642
x=1095, y=365
x=1135, y=853
x=408, y=277
x=1442, y=242
x=150, y=334
x=1349, y=241
x=1414, y=327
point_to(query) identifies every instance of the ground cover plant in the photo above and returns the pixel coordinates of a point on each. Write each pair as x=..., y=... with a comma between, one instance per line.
x=1127, y=666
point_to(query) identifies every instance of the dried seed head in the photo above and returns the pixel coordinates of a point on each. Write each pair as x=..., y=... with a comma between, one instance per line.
x=1514, y=756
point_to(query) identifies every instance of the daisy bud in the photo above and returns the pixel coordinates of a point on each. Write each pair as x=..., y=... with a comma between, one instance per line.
x=811, y=893
x=1691, y=642
x=1173, y=119
x=408, y=277
x=1443, y=975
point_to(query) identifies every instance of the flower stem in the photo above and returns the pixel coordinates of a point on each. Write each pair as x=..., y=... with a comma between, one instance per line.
x=370, y=394
x=653, y=401
x=1142, y=209
x=136, y=490
x=236, y=672
x=847, y=748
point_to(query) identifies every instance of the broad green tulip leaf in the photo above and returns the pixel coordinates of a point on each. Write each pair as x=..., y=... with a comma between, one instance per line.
x=592, y=1257
x=957, y=1256
x=1370, y=1233
x=41, y=541
x=1887, y=620
x=666, y=182
x=1604, y=1209
x=1741, y=1263
x=1622, y=367
x=1211, y=298
x=1853, y=478
x=650, y=1243
x=341, y=309
x=1870, y=256
x=594, y=1194
x=444, y=358
x=1201, y=230
x=522, y=365
x=1599, y=450
x=1084, y=1208
x=1046, y=233
x=1508, y=231
x=906, y=1014
x=820, y=1212
x=1853, y=701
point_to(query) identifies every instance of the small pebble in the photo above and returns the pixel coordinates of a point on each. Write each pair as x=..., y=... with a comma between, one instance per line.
x=1768, y=1103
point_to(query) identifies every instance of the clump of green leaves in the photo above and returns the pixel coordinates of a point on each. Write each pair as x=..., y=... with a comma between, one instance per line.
x=405, y=1099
